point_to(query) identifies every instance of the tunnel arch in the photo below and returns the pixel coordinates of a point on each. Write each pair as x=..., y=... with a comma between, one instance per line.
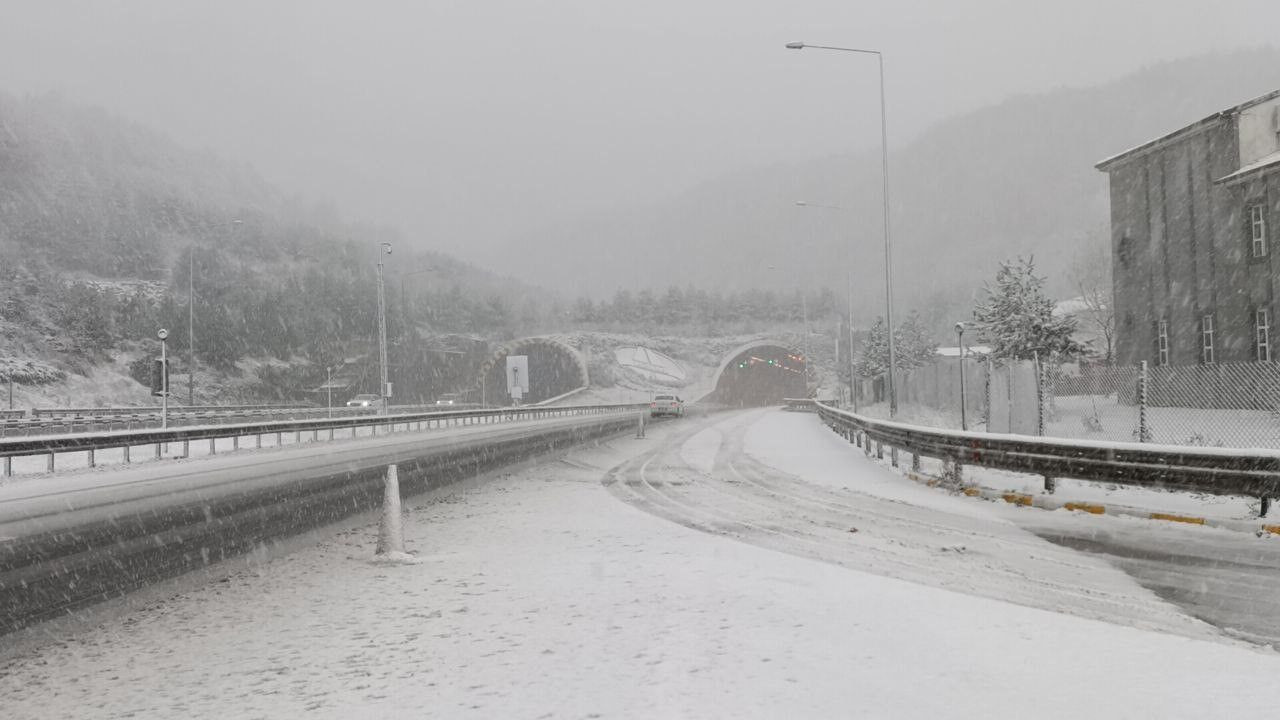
x=555, y=368
x=763, y=372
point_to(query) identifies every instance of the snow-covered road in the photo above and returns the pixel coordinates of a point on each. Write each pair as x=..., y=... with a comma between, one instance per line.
x=542, y=595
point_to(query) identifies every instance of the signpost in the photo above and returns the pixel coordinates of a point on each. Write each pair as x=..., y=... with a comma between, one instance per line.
x=517, y=377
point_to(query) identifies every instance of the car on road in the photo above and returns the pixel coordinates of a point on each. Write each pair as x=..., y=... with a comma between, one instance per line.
x=366, y=400
x=666, y=405
x=449, y=399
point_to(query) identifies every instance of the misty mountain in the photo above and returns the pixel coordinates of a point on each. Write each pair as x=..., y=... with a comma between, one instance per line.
x=1013, y=178
x=100, y=219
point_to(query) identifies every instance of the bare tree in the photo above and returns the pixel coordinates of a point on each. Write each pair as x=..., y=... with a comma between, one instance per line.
x=1091, y=277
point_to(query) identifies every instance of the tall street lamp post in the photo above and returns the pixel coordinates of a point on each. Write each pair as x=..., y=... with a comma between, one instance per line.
x=888, y=254
x=383, y=249
x=964, y=424
x=164, y=378
x=328, y=385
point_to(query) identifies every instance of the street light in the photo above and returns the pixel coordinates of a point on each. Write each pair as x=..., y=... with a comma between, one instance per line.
x=853, y=395
x=888, y=254
x=964, y=424
x=328, y=385
x=164, y=379
x=384, y=248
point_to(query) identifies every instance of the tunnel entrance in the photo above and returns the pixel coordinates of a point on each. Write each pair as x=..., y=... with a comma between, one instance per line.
x=763, y=374
x=554, y=369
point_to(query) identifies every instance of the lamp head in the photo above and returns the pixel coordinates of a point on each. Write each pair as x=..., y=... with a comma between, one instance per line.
x=795, y=46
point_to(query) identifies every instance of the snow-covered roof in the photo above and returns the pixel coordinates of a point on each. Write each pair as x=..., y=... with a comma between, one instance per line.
x=1262, y=164
x=1105, y=164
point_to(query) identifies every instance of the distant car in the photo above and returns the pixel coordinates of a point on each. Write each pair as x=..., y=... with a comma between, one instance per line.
x=666, y=405
x=449, y=399
x=365, y=400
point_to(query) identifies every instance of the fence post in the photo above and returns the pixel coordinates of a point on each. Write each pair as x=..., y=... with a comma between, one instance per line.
x=986, y=397
x=1144, y=435
x=1050, y=485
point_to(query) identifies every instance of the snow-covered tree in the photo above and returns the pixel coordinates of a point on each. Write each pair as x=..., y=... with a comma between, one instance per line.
x=1017, y=319
x=913, y=346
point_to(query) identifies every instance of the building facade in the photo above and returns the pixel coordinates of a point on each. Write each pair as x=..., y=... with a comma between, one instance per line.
x=1194, y=218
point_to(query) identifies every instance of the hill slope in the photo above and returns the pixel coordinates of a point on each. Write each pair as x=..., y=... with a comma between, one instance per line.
x=1012, y=178
x=100, y=219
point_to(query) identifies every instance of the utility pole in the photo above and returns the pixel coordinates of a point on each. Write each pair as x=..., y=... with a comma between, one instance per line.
x=328, y=385
x=383, y=249
x=191, y=327
x=164, y=379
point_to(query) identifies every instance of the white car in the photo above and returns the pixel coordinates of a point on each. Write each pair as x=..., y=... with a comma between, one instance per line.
x=666, y=405
x=365, y=400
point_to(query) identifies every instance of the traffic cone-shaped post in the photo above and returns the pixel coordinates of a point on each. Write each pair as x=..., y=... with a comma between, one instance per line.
x=391, y=530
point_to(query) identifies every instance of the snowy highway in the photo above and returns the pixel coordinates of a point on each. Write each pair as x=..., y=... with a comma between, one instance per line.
x=748, y=564
x=67, y=542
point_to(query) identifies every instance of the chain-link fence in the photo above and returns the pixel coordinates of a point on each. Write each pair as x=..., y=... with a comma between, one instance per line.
x=1221, y=405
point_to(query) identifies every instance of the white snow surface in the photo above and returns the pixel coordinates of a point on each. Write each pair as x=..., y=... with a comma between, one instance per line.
x=541, y=595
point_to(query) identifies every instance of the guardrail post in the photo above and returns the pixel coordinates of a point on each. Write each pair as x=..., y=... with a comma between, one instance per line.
x=1144, y=434
x=915, y=462
x=126, y=454
x=879, y=450
x=49, y=465
x=235, y=443
x=297, y=438
x=893, y=456
x=866, y=444
x=91, y=462
x=186, y=448
x=159, y=454
x=213, y=446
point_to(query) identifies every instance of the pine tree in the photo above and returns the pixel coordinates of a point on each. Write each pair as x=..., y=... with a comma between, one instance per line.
x=913, y=346
x=1017, y=319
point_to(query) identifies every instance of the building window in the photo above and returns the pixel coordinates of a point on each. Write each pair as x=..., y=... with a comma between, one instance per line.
x=1125, y=251
x=1206, y=336
x=1162, y=342
x=1258, y=230
x=1262, y=331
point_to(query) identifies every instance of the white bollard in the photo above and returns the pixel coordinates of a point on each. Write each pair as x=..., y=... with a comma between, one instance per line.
x=391, y=530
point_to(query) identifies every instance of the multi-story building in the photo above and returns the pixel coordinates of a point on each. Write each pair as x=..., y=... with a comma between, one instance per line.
x=1193, y=240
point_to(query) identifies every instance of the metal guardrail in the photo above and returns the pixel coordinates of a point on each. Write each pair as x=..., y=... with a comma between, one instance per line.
x=1218, y=471
x=52, y=445
x=155, y=409
x=12, y=414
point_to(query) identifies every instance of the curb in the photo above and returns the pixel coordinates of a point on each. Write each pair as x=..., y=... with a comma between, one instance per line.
x=1048, y=502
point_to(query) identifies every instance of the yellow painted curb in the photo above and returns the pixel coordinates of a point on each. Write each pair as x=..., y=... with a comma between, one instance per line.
x=1086, y=507
x=972, y=491
x=1017, y=499
x=1273, y=529
x=1178, y=518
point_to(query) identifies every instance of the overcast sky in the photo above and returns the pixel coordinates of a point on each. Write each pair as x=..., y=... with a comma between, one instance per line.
x=468, y=122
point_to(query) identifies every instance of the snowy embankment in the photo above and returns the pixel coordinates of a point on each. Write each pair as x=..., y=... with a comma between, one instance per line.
x=541, y=595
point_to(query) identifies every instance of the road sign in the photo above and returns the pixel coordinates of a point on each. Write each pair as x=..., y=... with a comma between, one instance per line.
x=517, y=376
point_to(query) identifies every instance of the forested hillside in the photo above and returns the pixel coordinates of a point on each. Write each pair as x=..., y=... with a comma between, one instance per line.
x=101, y=219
